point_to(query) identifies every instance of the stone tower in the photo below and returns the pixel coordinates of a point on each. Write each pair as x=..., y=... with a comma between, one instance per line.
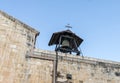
x=21, y=62
x=17, y=41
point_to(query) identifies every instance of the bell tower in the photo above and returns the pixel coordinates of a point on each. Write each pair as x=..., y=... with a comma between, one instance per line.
x=66, y=41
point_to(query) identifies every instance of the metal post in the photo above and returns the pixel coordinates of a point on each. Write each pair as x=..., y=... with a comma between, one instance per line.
x=53, y=75
x=55, y=68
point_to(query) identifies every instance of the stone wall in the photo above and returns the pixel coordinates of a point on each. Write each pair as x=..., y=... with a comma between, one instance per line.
x=17, y=40
x=82, y=69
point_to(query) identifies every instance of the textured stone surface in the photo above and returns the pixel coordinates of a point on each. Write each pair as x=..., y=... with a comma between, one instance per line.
x=83, y=69
x=16, y=42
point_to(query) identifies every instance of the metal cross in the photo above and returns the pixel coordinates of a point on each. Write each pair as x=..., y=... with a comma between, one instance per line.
x=68, y=26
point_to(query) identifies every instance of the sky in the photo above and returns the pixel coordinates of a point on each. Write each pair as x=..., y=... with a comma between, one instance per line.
x=95, y=21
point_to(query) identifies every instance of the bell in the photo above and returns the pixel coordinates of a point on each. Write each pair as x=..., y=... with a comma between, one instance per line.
x=65, y=43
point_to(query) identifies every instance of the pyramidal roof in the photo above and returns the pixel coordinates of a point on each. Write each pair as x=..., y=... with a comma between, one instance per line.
x=19, y=22
x=56, y=36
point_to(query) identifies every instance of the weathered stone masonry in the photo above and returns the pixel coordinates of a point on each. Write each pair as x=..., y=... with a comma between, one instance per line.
x=83, y=69
x=21, y=62
x=16, y=41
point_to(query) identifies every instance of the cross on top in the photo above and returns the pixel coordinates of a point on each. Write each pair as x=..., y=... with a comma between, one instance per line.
x=68, y=26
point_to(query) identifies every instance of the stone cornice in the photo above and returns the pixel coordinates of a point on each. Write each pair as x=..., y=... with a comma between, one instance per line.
x=50, y=55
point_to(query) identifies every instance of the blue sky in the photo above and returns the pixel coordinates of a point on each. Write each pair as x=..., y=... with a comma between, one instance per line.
x=96, y=21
